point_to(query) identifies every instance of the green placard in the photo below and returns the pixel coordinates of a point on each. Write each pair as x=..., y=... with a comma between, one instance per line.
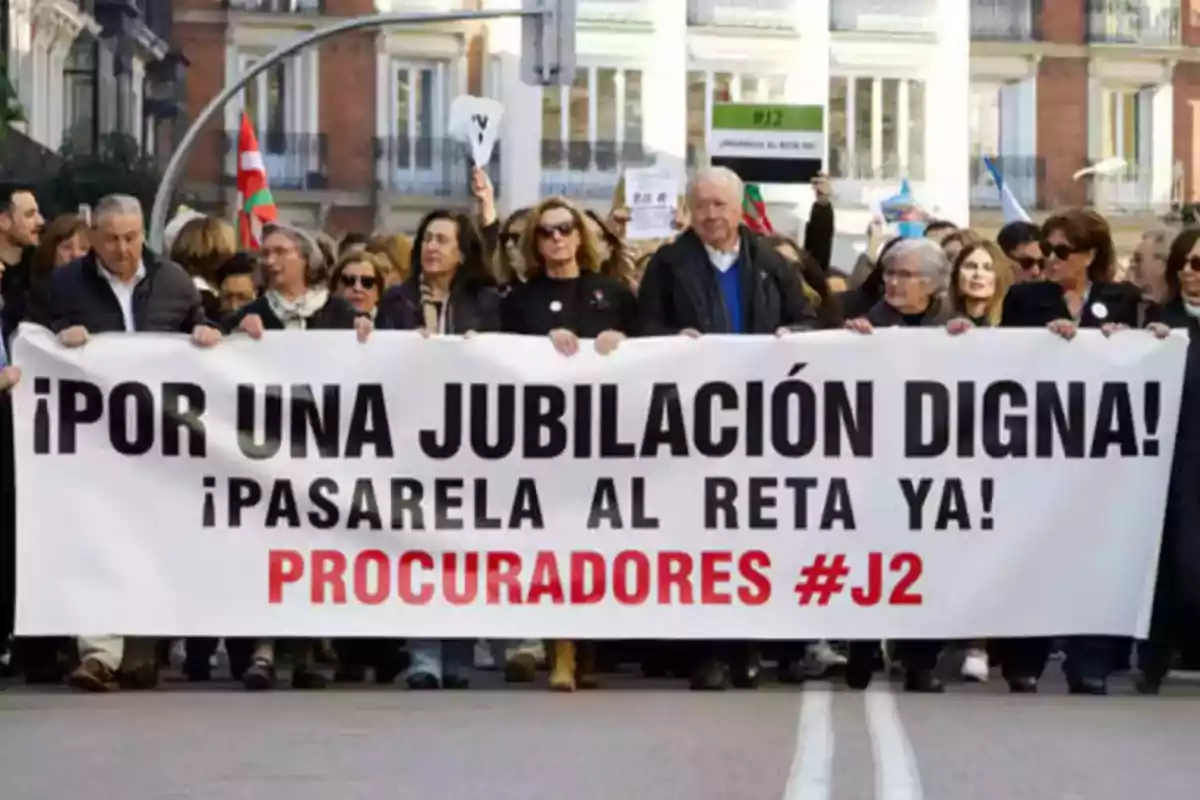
x=767, y=117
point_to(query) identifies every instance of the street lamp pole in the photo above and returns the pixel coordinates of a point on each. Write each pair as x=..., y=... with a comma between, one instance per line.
x=158, y=216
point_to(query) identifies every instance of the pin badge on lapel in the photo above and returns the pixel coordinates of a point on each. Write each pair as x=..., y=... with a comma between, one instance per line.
x=1099, y=311
x=555, y=306
x=599, y=301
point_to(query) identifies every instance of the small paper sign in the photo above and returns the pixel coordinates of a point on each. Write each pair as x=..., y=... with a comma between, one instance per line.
x=475, y=121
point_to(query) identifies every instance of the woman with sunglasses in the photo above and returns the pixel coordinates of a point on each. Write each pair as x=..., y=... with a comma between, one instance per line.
x=1177, y=591
x=358, y=279
x=1078, y=292
x=566, y=297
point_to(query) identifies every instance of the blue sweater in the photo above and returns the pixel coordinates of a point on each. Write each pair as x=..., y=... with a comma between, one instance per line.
x=730, y=282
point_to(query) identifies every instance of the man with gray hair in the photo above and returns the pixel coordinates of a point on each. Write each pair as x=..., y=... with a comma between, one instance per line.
x=121, y=287
x=719, y=277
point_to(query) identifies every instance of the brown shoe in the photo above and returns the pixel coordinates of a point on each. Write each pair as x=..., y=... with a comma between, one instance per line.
x=92, y=676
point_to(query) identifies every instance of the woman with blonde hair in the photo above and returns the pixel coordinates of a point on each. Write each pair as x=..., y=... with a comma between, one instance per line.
x=567, y=297
x=398, y=250
x=358, y=278
x=979, y=281
x=202, y=245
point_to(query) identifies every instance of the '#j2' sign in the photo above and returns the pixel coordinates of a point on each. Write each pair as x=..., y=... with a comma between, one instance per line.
x=768, y=143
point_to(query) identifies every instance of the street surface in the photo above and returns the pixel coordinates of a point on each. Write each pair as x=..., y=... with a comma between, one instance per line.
x=635, y=739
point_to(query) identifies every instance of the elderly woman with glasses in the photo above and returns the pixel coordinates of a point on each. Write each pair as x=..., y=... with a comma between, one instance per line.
x=296, y=297
x=915, y=276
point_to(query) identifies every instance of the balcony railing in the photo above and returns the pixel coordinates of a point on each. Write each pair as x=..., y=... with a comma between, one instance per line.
x=588, y=170
x=1006, y=20
x=277, y=6
x=884, y=16
x=745, y=13
x=426, y=167
x=618, y=11
x=1153, y=23
x=1131, y=191
x=1021, y=174
x=295, y=161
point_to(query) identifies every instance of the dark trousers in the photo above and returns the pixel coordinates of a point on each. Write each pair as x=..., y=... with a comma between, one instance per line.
x=735, y=654
x=1088, y=657
x=913, y=654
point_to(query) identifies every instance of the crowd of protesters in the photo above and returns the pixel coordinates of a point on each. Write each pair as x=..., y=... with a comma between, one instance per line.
x=570, y=275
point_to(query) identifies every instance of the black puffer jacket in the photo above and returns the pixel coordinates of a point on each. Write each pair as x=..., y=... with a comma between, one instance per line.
x=680, y=290
x=165, y=301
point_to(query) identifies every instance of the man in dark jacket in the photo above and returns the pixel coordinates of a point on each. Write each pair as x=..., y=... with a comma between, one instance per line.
x=718, y=277
x=20, y=228
x=121, y=287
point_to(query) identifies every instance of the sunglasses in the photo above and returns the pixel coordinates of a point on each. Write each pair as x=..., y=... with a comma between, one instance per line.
x=1192, y=263
x=1029, y=263
x=1060, y=251
x=509, y=238
x=365, y=281
x=562, y=229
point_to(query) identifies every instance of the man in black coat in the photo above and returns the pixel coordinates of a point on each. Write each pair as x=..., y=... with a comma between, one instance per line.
x=121, y=287
x=718, y=277
x=20, y=227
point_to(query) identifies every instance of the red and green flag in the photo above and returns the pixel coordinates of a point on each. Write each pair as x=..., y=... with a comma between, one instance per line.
x=256, y=206
x=754, y=210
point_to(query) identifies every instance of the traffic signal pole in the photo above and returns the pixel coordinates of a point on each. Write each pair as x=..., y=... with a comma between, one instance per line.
x=546, y=22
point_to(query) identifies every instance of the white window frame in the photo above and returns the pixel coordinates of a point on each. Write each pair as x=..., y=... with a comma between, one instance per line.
x=440, y=89
x=565, y=173
x=300, y=111
x=735, y=90
x=1133, y=187
x=873, y=177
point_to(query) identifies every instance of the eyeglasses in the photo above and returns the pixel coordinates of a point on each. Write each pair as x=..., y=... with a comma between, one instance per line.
x=367, y=282
x=1061, y=252
x=563, y=229
x=1030, y=264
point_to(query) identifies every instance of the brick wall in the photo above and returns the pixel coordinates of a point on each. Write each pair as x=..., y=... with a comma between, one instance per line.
x=203, y=44
x=1063, y=21
x=347, y=109
x=1187, y=126
x=1062, y=129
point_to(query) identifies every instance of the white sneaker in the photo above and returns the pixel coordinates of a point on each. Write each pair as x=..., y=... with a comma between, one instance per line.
x=975, y=666
x=483, y=655
x=823, y=654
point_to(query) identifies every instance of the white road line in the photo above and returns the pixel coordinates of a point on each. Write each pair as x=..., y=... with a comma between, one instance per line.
x=896, y=774
x=811, y=777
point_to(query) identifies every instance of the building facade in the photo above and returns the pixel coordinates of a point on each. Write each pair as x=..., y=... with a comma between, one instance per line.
x=85, y=69
x=354, y=132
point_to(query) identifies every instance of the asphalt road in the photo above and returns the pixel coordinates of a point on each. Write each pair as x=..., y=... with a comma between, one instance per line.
x=633, y=739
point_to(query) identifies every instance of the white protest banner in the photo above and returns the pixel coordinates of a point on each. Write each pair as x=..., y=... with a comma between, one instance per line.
x=906, y=484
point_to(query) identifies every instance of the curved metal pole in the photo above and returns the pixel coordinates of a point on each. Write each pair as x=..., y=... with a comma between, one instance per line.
x=158, y=216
